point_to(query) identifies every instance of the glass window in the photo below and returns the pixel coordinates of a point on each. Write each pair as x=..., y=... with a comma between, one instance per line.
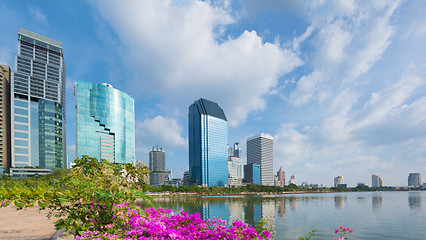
x=21, y=111
x=21, y=119
x=21, y=135
x=21, y=158
x=23, y=143
x=21, y=127
x=20, y=150
x=21, y=103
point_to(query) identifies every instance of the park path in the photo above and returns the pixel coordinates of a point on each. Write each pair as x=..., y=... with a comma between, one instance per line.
x=25, y=224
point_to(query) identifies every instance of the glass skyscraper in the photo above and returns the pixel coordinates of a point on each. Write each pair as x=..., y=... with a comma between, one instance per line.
x=208, y=144
x=105, y=119
x=38, y=103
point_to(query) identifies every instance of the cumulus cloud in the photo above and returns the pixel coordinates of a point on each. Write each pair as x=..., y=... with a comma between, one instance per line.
x=179, y=52
x=161, y=131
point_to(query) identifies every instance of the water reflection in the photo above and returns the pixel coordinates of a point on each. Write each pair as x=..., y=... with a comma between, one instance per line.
x=415, y=200
x=282, y=207
x=339, y=201
x=293, y=203
x=377, y=200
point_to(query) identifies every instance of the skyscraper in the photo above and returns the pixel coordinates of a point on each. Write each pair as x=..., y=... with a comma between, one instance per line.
x=105, y=122
x=252, y=173
x=260, y=150
x=376, y=181
x=38, y=105
x=415, y=179
x=281, y=177
x=208, y=148
x=234, y=150
x=5, y=153
x=292, y=180
x=338, y=180
x=157, y=167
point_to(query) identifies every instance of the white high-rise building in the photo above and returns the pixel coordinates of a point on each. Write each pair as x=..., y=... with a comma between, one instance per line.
x=260, y=150
x=376, y=181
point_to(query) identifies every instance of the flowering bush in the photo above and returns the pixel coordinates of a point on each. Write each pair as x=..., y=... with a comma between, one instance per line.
x=342, y=232
x=136, y=223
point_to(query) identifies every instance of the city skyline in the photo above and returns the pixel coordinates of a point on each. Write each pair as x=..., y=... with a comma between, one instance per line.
x=341, y=91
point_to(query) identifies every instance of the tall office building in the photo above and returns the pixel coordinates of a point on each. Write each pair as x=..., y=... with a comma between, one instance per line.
x=338, y=180
x=281, y=177
x=376, y=181
x=260, y=150
x=235, y=171
x=208, y=148
x=157, y=167
x=292, y=180
x=415, y=179
x=252, y=173
x=5, y=154
x=105, y=122
x=234, y=150
x=38, y=105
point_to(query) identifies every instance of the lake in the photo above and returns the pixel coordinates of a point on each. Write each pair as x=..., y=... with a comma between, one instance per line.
x=372, y=215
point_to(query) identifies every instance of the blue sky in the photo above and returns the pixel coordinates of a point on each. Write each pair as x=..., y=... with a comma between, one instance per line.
x=339, y=84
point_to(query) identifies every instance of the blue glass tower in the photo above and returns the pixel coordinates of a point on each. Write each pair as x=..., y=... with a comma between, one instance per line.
x=105, y=119
x=208, y=144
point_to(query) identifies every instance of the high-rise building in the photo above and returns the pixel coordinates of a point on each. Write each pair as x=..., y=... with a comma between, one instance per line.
x=234, y=151
x=415, y=179
x=292, y=180
x=5, y=153
x=338, y=180
x=252, y=173
x=376, y=181
x=235, y=171
x=260, y=150
x=281, y=177
x=38, y=103
x=105, y=122
x=208, y=148
x=157, y=167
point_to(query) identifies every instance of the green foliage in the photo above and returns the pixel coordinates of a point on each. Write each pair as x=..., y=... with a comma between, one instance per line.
x=83, y=197
x=311, y=234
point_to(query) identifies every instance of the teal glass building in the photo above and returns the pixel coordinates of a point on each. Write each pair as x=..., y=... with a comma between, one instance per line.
x=38, y=103
x=208, y=144
x=105, y=123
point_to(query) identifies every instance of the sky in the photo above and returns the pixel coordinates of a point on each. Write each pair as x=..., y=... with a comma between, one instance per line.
x=340, y=85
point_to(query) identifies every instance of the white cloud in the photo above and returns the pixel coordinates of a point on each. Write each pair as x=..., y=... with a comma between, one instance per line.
x=177, y=49
x=37, y=14
x=306, y=89
x=161, y=131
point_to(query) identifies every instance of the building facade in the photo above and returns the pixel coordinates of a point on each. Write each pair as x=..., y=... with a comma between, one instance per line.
x=234, y=150
x=5, y=148
x=260, y=150
x=38, y=103
x=157, y=167
x=338, y=180
x=415, y=179
x=376, y=181
x=208, y=148
x=292, y=180
x=252, y=173
x=105, y=122
x=281, y=177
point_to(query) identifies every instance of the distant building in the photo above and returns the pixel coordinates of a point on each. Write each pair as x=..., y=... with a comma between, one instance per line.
x=376, y=181
x=105, y=123
x=343, y=185
x=292, y=180
x=252, y=173
x=414, y=179
x=186, y=178
x=208, y=144
x=157, y=167
x=234, y=150
x=28, y=172
x=235, y=171
x=175, y=182
x=141, y=164
x=260, y=150
x=338, y=180
x=5, y=142
x=169, y=175
x=281, y=177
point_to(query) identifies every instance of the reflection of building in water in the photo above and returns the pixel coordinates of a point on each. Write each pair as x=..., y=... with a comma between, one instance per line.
x=377, y=200
x=268, y=215
x=293, y=203
x=253, y=211
x=339, y=201
x=236, y=211
x=282, y=207
x=415, y=200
